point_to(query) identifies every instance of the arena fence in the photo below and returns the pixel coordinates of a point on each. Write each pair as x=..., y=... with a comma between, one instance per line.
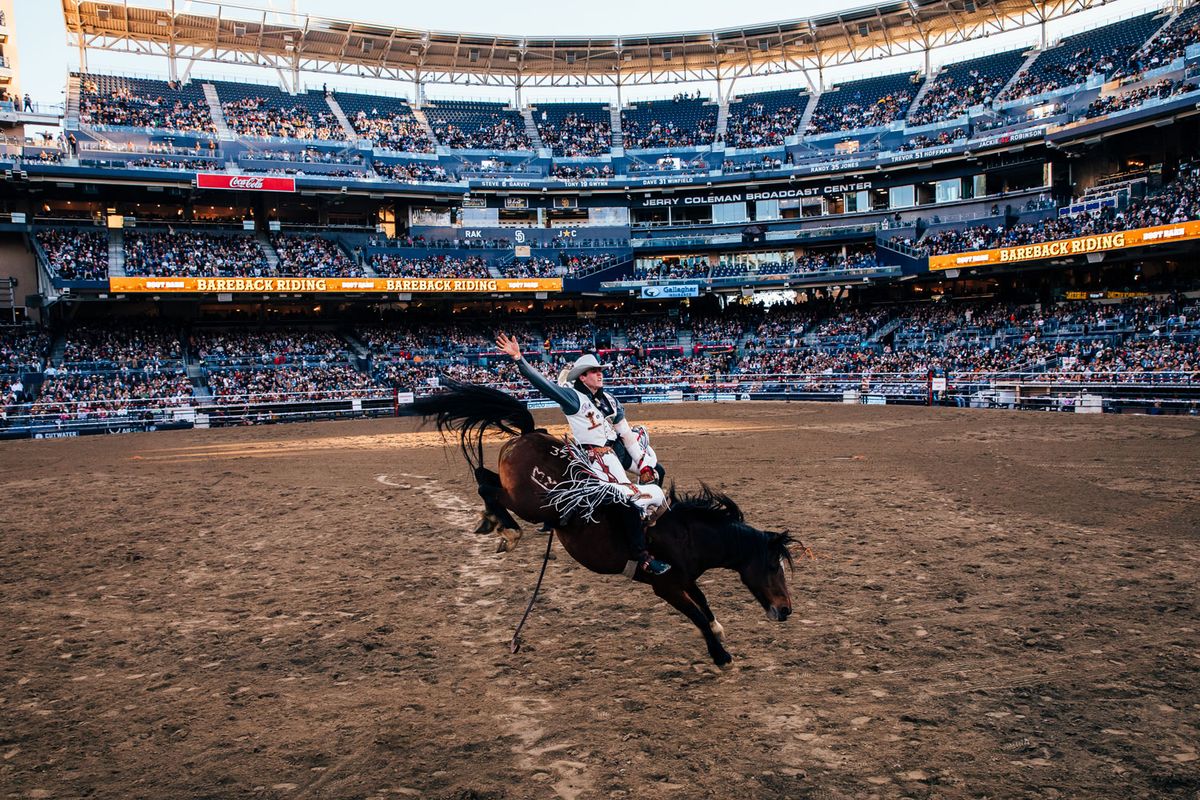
x=1164, y=392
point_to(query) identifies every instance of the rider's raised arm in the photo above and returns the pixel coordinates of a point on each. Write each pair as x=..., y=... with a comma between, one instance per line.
x=567, y=399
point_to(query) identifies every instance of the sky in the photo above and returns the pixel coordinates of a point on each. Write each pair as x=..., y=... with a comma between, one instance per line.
x=46, y=58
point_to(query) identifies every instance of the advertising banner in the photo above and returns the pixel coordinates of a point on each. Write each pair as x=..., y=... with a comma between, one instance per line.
x=331, y=285
x=1060, y=248
x=253, y=183
x=658, y=292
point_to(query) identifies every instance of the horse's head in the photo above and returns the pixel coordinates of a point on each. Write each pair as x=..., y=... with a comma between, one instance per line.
x=762, y=571
x=757, y=556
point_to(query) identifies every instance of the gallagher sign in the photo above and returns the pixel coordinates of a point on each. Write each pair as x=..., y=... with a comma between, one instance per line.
x=253, y=183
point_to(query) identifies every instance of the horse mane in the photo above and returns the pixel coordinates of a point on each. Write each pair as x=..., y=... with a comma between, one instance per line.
x=708, y=506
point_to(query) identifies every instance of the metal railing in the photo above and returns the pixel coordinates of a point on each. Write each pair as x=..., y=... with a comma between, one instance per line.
x=1177, y=391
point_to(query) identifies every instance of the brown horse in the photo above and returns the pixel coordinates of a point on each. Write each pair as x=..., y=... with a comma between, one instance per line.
x=700, y=532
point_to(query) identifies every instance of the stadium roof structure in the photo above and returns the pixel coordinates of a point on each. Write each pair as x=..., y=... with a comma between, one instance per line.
x=229, y=33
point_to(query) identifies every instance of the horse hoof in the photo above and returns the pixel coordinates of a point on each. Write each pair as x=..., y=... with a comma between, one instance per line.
x=722, y=659
x=502, y=545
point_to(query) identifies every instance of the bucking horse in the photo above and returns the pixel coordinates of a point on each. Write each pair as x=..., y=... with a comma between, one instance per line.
x=539, y=475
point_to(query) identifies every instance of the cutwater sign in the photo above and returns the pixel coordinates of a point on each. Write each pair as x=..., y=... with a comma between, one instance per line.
x=658, y=292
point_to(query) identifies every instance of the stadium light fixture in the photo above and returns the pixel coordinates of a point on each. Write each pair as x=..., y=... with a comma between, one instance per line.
x=864, y=30
x=239, y=30
x=667, y=55
x=473, y=55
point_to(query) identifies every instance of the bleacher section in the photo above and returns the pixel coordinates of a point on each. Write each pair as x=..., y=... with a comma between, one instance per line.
x=143, y=103
x=266, y=111
x=964, y=84
x=574, y=129
x=193, y=254
x=864, y=104
x=681, y=122
x=387, y=121
x=1103, y=50
x=476, y=125
x=1168, y=45
x=765, y=119
x=75, y=254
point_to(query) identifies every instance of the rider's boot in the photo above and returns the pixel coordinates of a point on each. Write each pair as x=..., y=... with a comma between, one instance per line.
x=635, y=530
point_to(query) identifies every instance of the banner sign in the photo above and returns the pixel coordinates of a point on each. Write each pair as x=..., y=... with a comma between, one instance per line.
x=740, y=196
x=1096, y=243
x=659, y=292
x=329, y=285
x=254, y=183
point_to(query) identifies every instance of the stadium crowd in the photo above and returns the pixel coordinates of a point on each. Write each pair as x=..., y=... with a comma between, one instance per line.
x=124, y=108
x=256, y=116
x=138, y=370
x=193, y=254
x=575, y=135
x=75, y=254
x=392, y=131
x=313, y=256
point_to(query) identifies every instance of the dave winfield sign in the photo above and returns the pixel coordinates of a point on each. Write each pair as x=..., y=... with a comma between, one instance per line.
x=1080, y=245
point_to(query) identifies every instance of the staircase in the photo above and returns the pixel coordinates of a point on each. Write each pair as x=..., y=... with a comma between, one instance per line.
x=351, y=134
x=268, y=250
x=809, y=110
x=925, y=87
x=58, y=349
x=614, y=121
x=116, y=253
x=419, y=115
x=722, y=119
x=74, y=89
x=218, y=116
x=1020, y=71
x=885, y=329
x=531, y=130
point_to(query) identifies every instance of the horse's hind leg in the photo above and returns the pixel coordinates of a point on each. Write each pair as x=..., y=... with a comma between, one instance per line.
x=677, y=596
x=495, y=516
x=697, y=596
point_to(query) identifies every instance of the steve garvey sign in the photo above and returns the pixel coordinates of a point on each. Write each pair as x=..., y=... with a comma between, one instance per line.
x=1096, y=243
x=327, y=285
x=253, y=183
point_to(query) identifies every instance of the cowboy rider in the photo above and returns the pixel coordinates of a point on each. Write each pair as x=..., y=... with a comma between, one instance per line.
x=597, y=421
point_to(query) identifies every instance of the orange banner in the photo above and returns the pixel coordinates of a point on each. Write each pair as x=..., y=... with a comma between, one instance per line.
x=1140, y=237
x=327, y=285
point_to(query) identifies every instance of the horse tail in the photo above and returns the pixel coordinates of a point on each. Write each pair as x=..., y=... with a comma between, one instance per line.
x=470, y=410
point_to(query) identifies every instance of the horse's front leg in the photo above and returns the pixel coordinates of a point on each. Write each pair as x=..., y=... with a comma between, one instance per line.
x=676, y=594
x=693, y=591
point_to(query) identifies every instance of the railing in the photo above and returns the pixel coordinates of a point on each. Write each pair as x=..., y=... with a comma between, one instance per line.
x=1173, y=391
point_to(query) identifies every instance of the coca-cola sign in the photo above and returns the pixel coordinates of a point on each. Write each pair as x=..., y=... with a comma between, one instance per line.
x=253, y=183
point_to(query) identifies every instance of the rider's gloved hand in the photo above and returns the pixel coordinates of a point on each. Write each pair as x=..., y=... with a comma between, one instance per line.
x=647, y=475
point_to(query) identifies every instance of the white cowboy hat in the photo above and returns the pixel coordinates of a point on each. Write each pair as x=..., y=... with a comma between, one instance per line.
x=582, y=365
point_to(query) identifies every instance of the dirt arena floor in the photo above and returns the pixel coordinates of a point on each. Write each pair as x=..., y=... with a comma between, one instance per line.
x=1002, y=605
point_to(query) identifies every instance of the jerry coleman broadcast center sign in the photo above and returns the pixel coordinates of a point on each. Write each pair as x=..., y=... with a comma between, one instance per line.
x=333, y=285
x=1061, y=248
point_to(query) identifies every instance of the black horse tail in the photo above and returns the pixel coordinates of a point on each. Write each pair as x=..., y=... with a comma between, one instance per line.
x=469, y=411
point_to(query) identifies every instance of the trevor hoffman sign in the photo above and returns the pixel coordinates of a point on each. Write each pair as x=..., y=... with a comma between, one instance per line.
x=254, y=183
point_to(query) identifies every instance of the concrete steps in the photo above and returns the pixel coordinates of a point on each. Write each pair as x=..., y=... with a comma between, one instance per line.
x=925, y=86
x=218, y=115
x=116, y=253
x=531, y=129
x=614, y=121
x=809, y=110
x=722, y=119
x=351, y=134
x=419, y=115
x=1020, y=71
x=74, y=89
x=264, y=244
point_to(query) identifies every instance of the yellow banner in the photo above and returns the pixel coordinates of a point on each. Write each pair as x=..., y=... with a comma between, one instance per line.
x=326, y=285
x=1140, y=237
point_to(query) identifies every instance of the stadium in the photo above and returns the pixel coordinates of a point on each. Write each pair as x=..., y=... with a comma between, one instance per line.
x=830, y=266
